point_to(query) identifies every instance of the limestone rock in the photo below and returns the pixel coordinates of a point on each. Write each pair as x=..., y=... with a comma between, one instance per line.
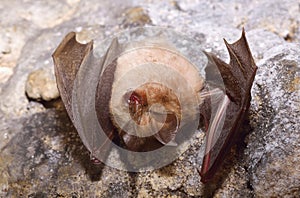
x=41, y=85
x=273, y=146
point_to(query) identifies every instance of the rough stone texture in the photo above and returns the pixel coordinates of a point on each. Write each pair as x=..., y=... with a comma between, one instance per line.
x=273, y=147
x=41, y=85
x=41, y=153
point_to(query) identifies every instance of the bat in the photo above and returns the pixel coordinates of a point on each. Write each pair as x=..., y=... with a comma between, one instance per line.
x=141, y=95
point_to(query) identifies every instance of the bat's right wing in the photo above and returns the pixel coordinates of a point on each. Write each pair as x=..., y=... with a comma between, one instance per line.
x=227, y=110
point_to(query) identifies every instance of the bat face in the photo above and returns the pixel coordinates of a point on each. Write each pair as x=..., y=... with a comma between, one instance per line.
x=151, y=110
x=154, y=106
x=144, y=96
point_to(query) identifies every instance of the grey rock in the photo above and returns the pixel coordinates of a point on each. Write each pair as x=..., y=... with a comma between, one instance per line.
x=281, y=18
x=5, y=73
x=273, y=146
x=136, y=16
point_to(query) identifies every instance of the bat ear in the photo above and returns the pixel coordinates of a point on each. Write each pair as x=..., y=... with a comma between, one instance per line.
x=67, y=58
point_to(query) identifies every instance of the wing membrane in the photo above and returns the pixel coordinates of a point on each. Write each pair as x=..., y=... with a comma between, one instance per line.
x=237, y=77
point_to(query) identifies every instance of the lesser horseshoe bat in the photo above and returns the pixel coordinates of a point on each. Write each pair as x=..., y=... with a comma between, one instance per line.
x=143, y=95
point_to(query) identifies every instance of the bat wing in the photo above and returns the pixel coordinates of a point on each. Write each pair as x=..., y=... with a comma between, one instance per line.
x=67, y=60
x=77, y=74
x=232, y=105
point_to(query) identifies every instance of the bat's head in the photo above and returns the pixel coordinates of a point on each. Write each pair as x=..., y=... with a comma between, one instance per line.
x=155, y=92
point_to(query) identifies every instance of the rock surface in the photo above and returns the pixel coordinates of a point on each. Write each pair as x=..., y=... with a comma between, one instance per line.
x=273, y=147
x=41, y=85
x=41, y=153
